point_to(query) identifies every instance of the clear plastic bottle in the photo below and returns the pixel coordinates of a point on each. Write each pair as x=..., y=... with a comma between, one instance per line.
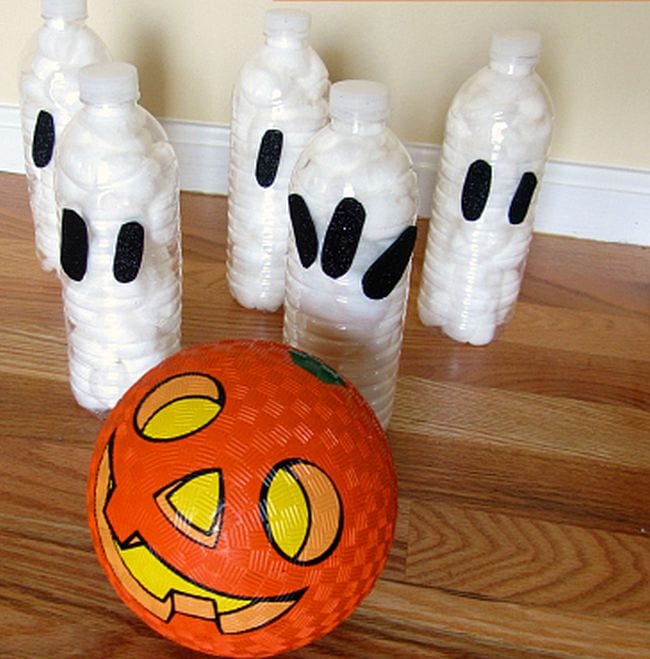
x=49, y=97
x=279, y=103
x=117, y=188
x=495, y=148
x=353, y=204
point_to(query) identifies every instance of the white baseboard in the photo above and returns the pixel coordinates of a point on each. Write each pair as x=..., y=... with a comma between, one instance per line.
x=583, y=201
x=11, y=143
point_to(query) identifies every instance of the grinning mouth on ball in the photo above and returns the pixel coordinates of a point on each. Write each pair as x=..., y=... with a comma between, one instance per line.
x=164, y=592
x=180, y=595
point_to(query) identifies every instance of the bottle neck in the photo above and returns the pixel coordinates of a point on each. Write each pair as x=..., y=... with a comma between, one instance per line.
x=517, y=68
x=62, y=23
x=285, y=41
x=108, y=110
x=357, y=127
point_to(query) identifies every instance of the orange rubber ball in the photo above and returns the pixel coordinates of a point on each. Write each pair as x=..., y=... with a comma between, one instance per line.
x=242, y=498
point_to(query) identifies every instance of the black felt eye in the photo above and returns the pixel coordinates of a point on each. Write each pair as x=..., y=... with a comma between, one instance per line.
x=268, y=157
x=342, y=237
x=128, y=252
x=303, y=230
x=523, y=196
x=43, y=139
x=384, y=274
x=74, y=245
x=476, y=190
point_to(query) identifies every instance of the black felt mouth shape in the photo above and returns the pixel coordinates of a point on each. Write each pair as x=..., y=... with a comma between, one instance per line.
x=342, y=237
x=340, y=244
x=384, y=274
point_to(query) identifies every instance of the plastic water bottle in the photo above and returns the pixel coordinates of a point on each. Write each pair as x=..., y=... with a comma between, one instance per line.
x=495, y=148
x=279, y=103
x=49, y=96
x=117, y=188
x=353, y=203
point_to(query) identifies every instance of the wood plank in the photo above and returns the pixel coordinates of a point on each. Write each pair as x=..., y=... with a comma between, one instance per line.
x=548, y=371
x=538, y=424
x=558, y=459
x=501, y=557
x=586, y=275
x=490, y=628
x=585, y=332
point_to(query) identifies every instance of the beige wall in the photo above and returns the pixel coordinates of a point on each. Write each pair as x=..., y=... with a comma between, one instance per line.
x=596, y=59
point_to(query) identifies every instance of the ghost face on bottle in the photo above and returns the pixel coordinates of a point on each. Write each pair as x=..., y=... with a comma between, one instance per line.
x=335, y=258
x=476, y=193
x=481, y=229
x=122, y=304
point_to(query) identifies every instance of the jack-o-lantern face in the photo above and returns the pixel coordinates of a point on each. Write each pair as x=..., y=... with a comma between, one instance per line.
x=242, y=498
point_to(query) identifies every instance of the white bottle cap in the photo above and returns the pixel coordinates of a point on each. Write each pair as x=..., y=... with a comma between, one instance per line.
x=287, y=22
x=516, y=45
x=359, y=100
x=108, y=83
x=69, y=10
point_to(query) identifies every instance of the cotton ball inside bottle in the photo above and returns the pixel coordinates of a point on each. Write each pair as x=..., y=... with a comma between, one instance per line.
x=260, y=85
x=384, y=213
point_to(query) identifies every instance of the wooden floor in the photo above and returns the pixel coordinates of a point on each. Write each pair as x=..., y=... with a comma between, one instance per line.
x=524, y=466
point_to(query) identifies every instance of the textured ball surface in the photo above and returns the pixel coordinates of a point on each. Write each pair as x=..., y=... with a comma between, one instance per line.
x=242, y=498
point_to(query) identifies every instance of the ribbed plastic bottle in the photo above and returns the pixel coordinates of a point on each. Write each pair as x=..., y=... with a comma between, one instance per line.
x=495, y=148
x=353, y=204
x=49, y=97
x=117, y=188
x=279, y=103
